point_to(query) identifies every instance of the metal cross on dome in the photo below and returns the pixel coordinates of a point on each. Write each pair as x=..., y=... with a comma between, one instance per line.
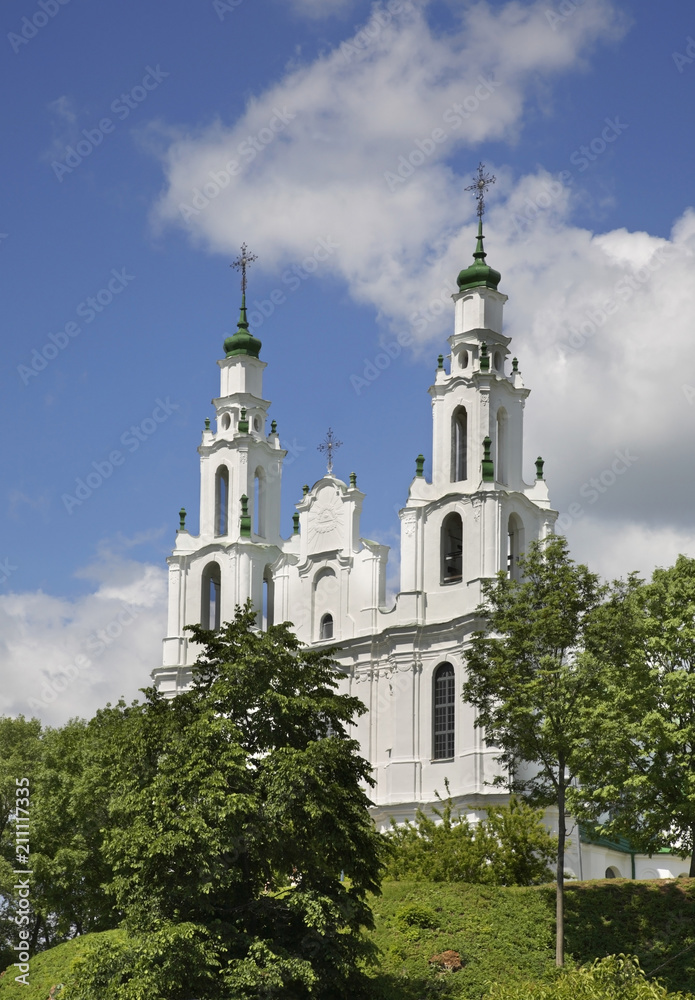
x=482, y=183
x=241, y=263
x=328, y=446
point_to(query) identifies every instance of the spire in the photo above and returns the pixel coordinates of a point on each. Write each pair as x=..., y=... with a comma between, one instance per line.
x=242, y=342
x=479, y=274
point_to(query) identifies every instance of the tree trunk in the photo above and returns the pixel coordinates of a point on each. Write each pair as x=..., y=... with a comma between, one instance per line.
x=560, y=895
x=35, y=934
x=691, y=873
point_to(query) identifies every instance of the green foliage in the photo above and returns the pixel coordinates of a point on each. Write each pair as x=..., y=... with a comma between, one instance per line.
x=510, y=846
x=504, y=936
x=501, y=934
x=537, y=671
x=642, y=766
x=416, y=915
x=618, y=977
x=69, y=815
x=51, y=969
x=19, y=758
x=233, y=809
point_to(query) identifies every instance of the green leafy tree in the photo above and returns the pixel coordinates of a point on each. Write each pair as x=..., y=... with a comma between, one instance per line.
x=510, y=846
x=70, y=814
x=239, y=834
x=535, y=671
x=20, y=752
x=639, y=780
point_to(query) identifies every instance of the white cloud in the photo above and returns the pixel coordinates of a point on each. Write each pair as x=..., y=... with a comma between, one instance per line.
x=347, y=123
x=63, y=658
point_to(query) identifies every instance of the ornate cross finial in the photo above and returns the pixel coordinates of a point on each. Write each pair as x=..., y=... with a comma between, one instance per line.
x=482, y=183
x=241, y=263
x=328, y=446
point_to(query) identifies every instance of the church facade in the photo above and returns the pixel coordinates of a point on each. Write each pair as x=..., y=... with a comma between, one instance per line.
x=406, y=661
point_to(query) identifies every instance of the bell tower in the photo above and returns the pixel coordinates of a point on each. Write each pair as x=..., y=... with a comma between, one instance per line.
x=477, y=514
x=239, y=528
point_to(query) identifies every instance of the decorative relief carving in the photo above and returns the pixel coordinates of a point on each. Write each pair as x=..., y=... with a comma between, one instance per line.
x=409, y=525
x=325, y=521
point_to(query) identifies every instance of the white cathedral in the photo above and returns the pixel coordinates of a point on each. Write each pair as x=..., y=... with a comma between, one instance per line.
x=405, y=662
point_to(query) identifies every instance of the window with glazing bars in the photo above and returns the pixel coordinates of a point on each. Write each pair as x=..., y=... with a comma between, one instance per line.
x=444, y=706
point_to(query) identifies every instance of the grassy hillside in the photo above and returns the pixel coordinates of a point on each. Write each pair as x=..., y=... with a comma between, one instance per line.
x=507, y=935
x=48, y=969
x=502, y=935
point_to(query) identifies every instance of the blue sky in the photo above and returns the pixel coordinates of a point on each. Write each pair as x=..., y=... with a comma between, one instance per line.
x=118, y=293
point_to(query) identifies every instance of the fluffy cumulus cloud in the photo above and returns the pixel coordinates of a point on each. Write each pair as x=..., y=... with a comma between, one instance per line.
x=355, y=146
x=65, y=658
x=349, y=160
x=602, y=326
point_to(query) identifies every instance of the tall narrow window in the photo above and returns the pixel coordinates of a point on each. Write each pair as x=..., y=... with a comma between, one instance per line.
x=326, y=595
x=221, y=500
x=211, y=593
x=268, y=598
x=326, y=630
x=452, y=548
x=501, y=446
x=444, y=712
x=259, y=502
x=515, y=545
x=459, y=445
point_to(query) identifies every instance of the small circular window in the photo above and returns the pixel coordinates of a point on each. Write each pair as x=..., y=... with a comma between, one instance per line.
x=226, y=421
x=256, y=423
x=464, y=359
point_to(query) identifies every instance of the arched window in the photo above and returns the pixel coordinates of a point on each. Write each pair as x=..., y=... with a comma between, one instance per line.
x=268, y=598
x=459, y=445
x=325, y=596
x=221, y=500
x=259, y=502
x=515, y=545
x=211, y=592
x=613, y=872
x=500, y=456
x=452, y=548
x=444, y=699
